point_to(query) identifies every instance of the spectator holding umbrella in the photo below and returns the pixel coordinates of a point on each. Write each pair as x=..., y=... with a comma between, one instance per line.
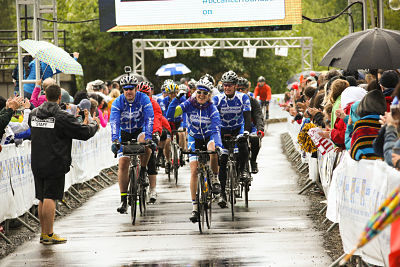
x=52, y=131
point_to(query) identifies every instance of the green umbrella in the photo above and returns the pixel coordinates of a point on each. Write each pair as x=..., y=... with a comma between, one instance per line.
x=52, y=55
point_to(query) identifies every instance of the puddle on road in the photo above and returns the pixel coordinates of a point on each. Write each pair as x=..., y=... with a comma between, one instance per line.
x=201, y=263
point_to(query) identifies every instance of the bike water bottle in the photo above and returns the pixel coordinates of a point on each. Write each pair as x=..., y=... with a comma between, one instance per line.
x=205, y=184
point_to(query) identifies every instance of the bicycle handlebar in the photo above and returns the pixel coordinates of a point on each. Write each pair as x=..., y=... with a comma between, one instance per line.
x=178, y=131
x=199, y=152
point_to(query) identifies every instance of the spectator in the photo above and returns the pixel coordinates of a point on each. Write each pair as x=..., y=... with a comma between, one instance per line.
x=52, y=133
x=45, y=72
x=367, y=127
x=388, y=82
x=17, y=127
x=7, y=109
x=114, y=94
x=37, y=100
x=79, y=96
x=388, y=135
x=65, y=97
x=337, y=87
x=373, y=85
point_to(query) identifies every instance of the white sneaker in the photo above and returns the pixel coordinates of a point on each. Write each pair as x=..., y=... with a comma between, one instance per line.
x=152, y=196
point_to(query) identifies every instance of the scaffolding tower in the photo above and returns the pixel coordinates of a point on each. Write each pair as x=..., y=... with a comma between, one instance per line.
x=40, y=7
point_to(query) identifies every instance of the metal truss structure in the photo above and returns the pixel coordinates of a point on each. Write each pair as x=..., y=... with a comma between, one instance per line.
x=141, y=45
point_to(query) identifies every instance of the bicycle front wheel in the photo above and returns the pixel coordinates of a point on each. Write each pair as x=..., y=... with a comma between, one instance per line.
x=142, y=200
x=232, y=181
x=208, y=201
x=132, y=193
x=176, y=164
x=200, y=209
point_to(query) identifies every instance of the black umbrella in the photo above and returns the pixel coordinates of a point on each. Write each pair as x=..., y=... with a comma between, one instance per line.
x=369, y=49
x=141, y=78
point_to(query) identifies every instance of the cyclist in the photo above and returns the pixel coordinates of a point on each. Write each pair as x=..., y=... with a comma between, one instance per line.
x=131, y=118
x=204, y=134
x=235, y=111
x=145, y=88
x=192, y=87
x=262, y=92
x=176, y=123
x=257, y=130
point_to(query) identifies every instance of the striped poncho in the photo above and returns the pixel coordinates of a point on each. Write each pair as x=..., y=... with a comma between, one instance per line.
x=365, y=131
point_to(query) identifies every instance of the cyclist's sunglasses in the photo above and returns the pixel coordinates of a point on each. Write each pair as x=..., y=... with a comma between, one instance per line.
x=228, y=84
x=129, y=87
x=201, y=92
x=242, y=89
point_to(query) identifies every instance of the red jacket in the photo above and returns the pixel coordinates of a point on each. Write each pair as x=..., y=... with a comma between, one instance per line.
x=165, y=124
x=157, y=125
x=264, y=92
x=338, y=132
x=389, y=100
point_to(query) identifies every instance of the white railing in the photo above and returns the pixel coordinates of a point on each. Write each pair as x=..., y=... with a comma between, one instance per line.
x=17, y=188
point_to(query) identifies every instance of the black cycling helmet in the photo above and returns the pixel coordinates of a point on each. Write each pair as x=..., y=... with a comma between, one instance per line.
x=242, y=82
x=229, y=77
x=261, y=79
x=208, y=77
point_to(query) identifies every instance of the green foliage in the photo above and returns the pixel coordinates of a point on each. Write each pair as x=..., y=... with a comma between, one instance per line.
x=103, y=55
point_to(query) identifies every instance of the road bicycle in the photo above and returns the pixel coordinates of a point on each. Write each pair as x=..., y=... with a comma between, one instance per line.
x=137, y=189
x=204, y=188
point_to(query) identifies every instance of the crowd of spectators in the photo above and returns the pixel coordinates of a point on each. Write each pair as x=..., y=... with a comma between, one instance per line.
x=94, y=102
x=359, y=112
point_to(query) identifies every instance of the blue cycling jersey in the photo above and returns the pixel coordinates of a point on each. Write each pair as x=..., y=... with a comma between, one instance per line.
x=132, y=116
x=167, y=101
x=231, y=109
x=203, y=120
x=160, y=101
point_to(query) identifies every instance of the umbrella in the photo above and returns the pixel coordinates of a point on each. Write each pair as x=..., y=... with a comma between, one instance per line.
x=306, y=73
x=369, y=49
x=387, y=213
x=52, y=55
x=141, y=78
x=172, y=69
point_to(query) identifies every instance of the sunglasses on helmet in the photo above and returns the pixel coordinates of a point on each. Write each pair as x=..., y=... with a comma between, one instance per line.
x=129, y=87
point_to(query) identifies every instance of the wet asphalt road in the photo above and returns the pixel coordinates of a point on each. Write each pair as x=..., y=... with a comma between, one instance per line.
x=273, y=231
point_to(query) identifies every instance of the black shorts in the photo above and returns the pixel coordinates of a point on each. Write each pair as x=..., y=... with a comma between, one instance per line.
x=125, y=136
x=49, y=187
x=151, y=165
x=164, y=135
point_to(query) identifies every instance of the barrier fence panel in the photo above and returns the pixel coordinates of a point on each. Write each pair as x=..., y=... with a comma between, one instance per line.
x=17, y=188
x=354, y=191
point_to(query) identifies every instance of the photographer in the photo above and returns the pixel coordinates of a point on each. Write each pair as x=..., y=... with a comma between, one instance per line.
x=52, y=131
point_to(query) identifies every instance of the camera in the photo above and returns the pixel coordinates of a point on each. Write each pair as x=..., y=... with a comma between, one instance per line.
x=128, y=69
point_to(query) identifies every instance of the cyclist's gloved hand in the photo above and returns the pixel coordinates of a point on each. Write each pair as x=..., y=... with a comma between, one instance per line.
x=156, y=138
x=180, y=94
x=260, y=133
x=218, y=150
x=151, y=144
x=115, y=147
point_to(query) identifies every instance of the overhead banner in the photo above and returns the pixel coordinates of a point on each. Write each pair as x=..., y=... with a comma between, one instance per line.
x=153, y=15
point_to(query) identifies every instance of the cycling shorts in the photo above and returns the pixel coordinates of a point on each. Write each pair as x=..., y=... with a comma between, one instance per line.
x=201, y=144
x=165, y=134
